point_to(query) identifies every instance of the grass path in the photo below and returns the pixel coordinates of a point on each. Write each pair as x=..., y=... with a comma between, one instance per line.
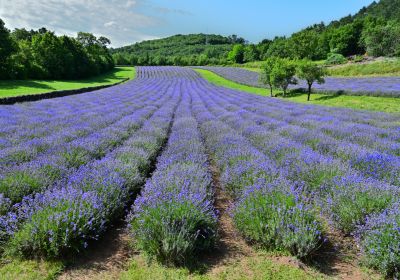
x=371, y=103
x=11, y=88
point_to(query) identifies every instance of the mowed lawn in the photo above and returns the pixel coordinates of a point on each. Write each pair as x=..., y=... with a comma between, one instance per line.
x=371, y=103
x=11, y=88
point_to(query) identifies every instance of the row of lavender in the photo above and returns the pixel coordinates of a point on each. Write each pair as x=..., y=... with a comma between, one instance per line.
x=61, y=158
x=374, y=86
x=356, y=185
x=173, y=219
x=65, y=214
x=283, y=163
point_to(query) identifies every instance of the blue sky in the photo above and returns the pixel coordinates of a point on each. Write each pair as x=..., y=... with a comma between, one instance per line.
x=129, y=21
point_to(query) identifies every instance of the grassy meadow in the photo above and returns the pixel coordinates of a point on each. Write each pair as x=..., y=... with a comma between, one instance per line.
x=11, y=88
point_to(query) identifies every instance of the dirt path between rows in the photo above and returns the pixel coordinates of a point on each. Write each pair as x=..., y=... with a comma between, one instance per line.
x=231, y=246
x=106, y=260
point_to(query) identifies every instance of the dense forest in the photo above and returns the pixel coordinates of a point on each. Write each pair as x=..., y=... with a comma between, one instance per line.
x=40, y=54
x=192, y=49
x=374, y=30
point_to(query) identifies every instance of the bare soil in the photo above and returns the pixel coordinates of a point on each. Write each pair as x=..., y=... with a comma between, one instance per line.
x=104, y=261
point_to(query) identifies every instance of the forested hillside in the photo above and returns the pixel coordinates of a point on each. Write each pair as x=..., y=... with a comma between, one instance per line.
x=374, y=30
x=41, y=54
x=192, y=49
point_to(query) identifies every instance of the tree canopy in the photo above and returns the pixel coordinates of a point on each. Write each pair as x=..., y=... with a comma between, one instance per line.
x=43, y=55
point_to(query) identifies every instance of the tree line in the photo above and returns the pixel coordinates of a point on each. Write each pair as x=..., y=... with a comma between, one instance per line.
x=41, y=54
x=374, y=31
x=282, y=72
x=179, y=50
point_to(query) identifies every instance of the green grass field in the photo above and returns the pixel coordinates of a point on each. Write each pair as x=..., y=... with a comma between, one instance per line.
x=371, y=103
x=377, y=68
x=385, y=67
x=25, y=87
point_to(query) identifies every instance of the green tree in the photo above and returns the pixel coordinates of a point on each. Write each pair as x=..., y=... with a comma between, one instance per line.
x=250, y=53
x=266, y=71
x=311, y=73
x=346, y=39
x=282, y=75
x=236, y=55
x=7, y=47
x=382, y=40
x=305, y=44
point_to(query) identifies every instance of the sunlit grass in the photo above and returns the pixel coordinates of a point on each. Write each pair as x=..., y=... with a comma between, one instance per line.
x=10, y=88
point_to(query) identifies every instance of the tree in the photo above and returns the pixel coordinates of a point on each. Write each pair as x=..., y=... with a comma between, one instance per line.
x=250, y=53
x=382, y=40
x=309, y=71
x=346, y=39
x=236, y=55
x=306, y=44
x=7, y=47
x=282, y=75
x=265, y=76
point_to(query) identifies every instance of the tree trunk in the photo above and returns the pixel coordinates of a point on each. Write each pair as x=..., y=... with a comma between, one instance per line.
x=270, y=87
x=309, y=92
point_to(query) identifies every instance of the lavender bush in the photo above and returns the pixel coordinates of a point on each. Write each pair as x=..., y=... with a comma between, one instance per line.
x=173, y=219
x=282, y=162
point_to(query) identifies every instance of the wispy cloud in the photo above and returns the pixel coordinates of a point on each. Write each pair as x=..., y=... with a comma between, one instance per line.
x=118, y=20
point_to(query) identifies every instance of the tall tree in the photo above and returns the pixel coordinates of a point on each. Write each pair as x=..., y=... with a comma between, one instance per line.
x=236, y=55
x=7, y=47
x=311, y=73
x=283, y=74
x=266, y=72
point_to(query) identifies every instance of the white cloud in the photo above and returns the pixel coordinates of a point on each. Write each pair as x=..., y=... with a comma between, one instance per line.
x=130, y=3
x=115, y=19
x=110, y=23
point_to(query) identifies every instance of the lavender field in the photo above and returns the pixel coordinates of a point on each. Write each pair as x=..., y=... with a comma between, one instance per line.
x=374, y=86
x=152, y=151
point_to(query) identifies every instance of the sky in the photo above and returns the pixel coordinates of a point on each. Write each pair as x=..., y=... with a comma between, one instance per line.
x=129, y=21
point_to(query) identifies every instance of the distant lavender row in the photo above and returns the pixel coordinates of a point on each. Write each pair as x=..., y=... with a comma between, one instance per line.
x=174, y=219
x=375, y=86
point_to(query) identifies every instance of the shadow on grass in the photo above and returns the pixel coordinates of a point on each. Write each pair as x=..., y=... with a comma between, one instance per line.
x=43, y=84
x=302, y=92
x=15, y=84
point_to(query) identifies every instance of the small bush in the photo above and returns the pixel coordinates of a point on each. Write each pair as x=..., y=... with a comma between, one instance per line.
x=278, y=220
x=335, y=59
x=351, y=199
x=173, y=232
x=380, y=241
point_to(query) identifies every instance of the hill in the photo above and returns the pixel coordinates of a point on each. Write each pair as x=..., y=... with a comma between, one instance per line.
x=178, y=49
x=374, y=30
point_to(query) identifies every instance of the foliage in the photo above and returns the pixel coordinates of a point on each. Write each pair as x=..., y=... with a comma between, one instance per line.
x=335, y=58
x=181, y=50
x=379, y=238
x=266, y=74
x=278, y=221
x=310, y=72
x=43, y=55
x=236, y=55
x=6, y=49
x=282, y=74
x=382, y=40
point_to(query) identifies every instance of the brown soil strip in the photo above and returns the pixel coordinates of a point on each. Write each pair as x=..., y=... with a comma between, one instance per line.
x=340, y=258
x=105, y=260
x=231, y=246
